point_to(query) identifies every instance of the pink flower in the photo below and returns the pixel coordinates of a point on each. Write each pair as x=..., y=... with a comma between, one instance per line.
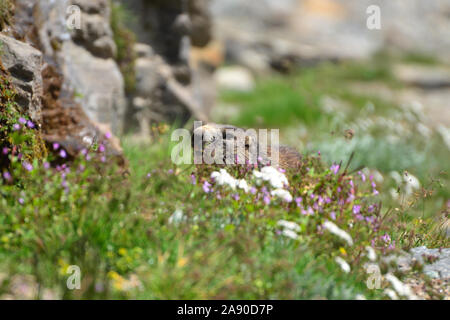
x=30, y=124
x=356, y=209
x=266, y=199
x=101, y=148
x=63, y=153
x=27, y=166
x=7, y=176
x=5, y=150
x=16, y=127
x=22, y=120
x=55, y=146
x=108, y=135
x=46, y=165
x=335, y=168
x=21, y=201
x=207, y=187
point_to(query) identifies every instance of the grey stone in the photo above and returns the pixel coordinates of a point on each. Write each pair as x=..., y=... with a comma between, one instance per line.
x=23, y=62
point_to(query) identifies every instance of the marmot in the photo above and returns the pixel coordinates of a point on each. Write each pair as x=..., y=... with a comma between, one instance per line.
x=208, y=134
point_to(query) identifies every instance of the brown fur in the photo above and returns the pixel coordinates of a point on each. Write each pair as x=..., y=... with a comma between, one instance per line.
x=288, y=157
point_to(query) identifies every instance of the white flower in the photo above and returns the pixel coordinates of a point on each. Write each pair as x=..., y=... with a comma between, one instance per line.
x=412, y=183
x=223, y=178
x=360, y=297
x=282, y=194
x=290, y=234
x=276, y=178
x=391, y=294
x=371, y=253
x=343, y=264
x=330, y=226
x=242, y=184
x=401, y=288
x=176, y=217
x=289, y=225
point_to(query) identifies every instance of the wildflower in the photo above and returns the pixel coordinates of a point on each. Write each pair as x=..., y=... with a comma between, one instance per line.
x=282, y=194
x=266, y=199
x=170, y=171
x=360, y=297
x=84, y=151
x=16, y=127
x=193, y=179
x=206, y=187
x=290, y=234
x=176, y=217
x=362, y=175
x=330, y=226
x=236, y=196
x=55, y=146
x=333, y=215
x=371, y=253
x=401, y=288
x=356, y=209
x=253, y=190
x=222, y=177
x=101, y=148
x=46, y=165
x=30, y=124
x=62, y=153
x=21, y=201
x=289, y=225
x=108, y=135
x=343, y=264
x=5, y=150
x=22, y=120
x=7, y=176
x=27, y=166
x=335, y=168
x=103, y=159
x=386, y=238
x=276, y=178
x=298, y=201
x=242, y=184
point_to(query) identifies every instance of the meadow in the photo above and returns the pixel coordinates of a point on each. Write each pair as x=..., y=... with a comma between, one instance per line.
x=160, y=231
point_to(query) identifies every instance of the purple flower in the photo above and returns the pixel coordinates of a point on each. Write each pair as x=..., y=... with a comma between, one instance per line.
x=27, y=166
x=206, y=187
x=236, y=196
x=170, y=171
x=55, y=146
x=30, y=124
x=333, y=215
x=22, y=120
x=81, y=168
x=63, y=153
x=193, y=179
x=266, y=199
x=84, y=151
x=298, y=201
x=21, y=201
x=101, y=148
x=5, y=150
x=149, y=175
x=16, y=127
x=356, y=209
x=335, y=168
x=64, y=184
x=108, y=135
x=46, y=165
x=386, y=238
x=253, y=190
x=103, y=159
x=362, y=175
x=7, y=176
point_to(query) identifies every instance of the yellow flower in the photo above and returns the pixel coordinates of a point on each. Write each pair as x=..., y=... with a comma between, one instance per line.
x=342, y=250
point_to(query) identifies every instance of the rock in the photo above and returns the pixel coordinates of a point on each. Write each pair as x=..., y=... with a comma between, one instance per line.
x=95, y=35
x=83, y=56
x=440, y=268
x=103, y=101
x=142, y=50
x=423, y=76
x=234, y=78
x=23, y=62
